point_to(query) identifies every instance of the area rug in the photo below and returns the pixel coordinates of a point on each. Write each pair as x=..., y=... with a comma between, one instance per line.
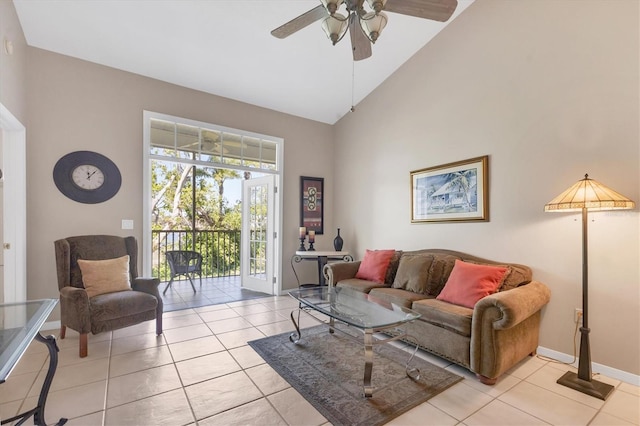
x=328, y=369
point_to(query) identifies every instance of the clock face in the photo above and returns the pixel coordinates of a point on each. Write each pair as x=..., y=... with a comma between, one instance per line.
x=87, y=176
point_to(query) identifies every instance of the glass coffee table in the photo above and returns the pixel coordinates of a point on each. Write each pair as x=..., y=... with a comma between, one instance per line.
x=360, y=311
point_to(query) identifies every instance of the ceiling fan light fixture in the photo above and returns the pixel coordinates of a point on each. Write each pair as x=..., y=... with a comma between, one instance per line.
x=372, y=24
x=332, y=5
x=377, y=5
x=335, y=26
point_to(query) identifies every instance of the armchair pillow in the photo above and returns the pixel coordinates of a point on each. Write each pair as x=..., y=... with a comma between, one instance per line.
x=374, y=265
x=469, y=282
x=105, y=276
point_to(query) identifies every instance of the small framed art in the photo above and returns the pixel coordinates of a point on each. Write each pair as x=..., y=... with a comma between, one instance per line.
x=312, y=204
x=451, y=192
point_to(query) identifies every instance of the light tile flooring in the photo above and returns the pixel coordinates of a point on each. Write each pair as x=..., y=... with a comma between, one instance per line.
x=202, y=372
x=212, y=291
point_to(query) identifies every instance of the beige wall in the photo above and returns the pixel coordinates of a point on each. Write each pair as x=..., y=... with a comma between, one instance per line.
x=550, y=91
x=77, y=105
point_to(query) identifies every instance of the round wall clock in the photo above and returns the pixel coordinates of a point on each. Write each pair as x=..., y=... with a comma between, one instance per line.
x=87, y=177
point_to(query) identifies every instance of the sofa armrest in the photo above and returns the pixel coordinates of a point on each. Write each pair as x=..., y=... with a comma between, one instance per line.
x=511, y=307
x=505, y=328
x=74, y=309
x=338, y=271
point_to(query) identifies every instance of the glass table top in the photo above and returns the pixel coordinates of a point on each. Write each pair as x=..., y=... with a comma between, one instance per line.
x=354, y=307
x=19, y=323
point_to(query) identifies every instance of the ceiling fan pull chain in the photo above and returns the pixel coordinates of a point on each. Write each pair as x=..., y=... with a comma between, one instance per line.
x=353, y=84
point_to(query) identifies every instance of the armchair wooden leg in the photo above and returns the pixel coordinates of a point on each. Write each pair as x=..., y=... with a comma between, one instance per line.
x=63, y=331
x=159, y=325
x=84, y=345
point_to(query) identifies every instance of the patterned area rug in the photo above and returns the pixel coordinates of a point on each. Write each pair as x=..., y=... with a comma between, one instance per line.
x=327, y=369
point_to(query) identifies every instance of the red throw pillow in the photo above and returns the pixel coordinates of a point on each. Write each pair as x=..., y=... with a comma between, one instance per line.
x=469, y=282
x=374, y=265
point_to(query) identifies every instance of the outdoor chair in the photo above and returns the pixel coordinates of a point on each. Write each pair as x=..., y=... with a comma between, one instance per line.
x=184, y=262
x=99, y=286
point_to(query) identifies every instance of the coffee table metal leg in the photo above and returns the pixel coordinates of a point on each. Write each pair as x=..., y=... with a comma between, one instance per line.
x=295, y=337
x=38, y=412
x=368, y=362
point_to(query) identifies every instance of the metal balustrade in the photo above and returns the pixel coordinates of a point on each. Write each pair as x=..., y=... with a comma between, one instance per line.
x=220, y=250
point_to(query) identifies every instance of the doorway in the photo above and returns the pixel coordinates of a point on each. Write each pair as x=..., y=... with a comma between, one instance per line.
x=200, y=164
x=14, y=207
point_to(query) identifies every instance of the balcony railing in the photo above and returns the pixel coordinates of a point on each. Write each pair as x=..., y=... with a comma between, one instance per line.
x=220, y=251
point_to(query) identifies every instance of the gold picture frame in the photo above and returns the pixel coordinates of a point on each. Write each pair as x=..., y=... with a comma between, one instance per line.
x=453, y=192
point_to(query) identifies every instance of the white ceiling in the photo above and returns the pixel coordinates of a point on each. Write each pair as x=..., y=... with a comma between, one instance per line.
x=225, y=48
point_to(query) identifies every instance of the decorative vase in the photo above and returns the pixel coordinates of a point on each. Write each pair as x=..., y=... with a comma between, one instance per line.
x=337, y=242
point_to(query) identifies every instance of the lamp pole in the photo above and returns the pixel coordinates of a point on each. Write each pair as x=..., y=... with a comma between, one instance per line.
x=583, y=382
x=584, y=364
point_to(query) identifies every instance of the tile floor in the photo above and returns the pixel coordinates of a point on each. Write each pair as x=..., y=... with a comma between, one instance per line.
x=202, y=372
x=212, y=292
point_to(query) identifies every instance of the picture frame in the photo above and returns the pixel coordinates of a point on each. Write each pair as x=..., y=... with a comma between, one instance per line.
x=451, y=192
x=312, y=204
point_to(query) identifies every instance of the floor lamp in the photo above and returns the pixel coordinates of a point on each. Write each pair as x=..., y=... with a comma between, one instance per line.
x=587, y=194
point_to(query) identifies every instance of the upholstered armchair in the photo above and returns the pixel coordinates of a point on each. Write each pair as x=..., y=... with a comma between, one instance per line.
x=110, y=295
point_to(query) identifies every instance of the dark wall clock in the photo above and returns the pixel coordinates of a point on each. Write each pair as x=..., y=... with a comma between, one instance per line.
x=87, y=177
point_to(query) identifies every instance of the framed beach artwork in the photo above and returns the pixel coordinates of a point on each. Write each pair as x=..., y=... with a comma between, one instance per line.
x=451, y=192
x=312, y=204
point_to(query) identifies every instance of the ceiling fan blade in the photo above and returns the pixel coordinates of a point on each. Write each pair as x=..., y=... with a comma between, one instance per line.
x=436, y=10
x=300, y=22
x=360, y=44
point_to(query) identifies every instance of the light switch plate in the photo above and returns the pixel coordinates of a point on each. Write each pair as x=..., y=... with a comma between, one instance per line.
x=127, y=224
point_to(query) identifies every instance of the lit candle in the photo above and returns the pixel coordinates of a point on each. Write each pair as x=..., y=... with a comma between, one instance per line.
x=303, y=232
x=312, y=236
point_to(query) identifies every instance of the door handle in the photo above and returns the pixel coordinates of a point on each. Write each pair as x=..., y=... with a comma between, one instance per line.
x=6, y=246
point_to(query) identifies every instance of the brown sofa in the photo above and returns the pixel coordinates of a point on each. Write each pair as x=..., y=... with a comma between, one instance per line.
x=496, y=334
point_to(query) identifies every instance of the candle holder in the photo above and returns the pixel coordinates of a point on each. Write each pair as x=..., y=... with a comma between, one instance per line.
x=311, y=246
x=302, y=248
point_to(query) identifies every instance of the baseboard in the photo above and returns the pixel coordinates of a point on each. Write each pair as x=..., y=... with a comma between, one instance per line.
x=614, y=373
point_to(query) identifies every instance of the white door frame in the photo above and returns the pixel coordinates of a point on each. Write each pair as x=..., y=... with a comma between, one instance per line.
x=146, y=192
x=15, y=207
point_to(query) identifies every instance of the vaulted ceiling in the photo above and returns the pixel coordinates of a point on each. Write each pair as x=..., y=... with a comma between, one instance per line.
x=225, y=48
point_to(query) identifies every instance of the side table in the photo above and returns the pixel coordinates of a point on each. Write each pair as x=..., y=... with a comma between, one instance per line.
x=321, y=257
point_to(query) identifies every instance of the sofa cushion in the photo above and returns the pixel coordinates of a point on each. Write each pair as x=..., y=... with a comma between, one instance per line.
x=374, y=265
x=105, y=276
x=393, y=268
x=516, y=277
x=412, y=273
x=364, y=286
x=441, y=267
x=446, y=315
x=470, y=282
x=396, y=295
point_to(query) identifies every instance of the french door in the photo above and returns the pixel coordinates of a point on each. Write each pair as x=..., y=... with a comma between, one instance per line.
x=258, y=235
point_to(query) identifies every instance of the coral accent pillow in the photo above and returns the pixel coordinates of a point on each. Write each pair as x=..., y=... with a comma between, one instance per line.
x=469, y=282
x=105, y=276
x=374, y=265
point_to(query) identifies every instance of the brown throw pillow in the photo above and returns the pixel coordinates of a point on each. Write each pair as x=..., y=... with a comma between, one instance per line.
x=105, y=276
x=412, y=273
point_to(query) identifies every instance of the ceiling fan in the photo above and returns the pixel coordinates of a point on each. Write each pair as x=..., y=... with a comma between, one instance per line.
x=364, y=23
